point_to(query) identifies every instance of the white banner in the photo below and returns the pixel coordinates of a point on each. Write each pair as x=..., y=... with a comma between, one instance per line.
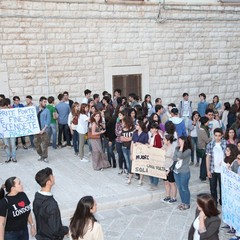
x=230, y=182
x=17, y=122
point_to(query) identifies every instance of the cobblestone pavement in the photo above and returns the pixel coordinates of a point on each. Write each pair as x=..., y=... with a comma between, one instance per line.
x=125, y=212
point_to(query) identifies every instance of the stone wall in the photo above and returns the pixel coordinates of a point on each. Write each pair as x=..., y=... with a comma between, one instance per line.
x=50, y=46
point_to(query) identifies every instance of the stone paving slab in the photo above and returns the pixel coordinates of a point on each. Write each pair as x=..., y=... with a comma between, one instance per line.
x=125, y=212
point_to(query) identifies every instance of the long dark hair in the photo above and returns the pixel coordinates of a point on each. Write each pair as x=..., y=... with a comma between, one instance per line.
x=81, y=217
x=208, y=204
x=187, y=143
x=233, y=153
x=9, y=183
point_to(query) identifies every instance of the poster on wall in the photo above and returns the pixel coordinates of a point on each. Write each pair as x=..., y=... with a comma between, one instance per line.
x=17, y=122
x=230, y=198
x=148, y=161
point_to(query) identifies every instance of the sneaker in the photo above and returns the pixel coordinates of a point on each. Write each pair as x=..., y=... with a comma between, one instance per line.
x=40, y=158
x=184, y=207
x=14, y=160
x=75, y=154
x=8, y=160
x=225, y=227
x=166, y=199
x=191, y=163
x=25, y=147
x=197, y=164
x=84, y=160
x=172, y=200
x=231, y=231
x=45, y=160
x=69, y=146
x=59, y=146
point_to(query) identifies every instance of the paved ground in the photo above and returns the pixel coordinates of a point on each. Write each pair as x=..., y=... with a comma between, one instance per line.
x=125, y=212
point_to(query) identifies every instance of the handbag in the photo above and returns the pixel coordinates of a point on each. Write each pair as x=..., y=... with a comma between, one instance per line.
x=200, y=153
x=91, y=136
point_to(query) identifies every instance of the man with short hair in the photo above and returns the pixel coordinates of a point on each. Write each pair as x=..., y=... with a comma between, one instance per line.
x=52, y=131
x=202, y=105
x=132, y=97
x=97, y=102
x=67, y=100
x=29, y=103
x=178, y=122
x=45, y=207
x=213, y=123
x=185, y=108
x=215, y=152
x=87, y=94
x=41, y=140
x=63, y=111
x=17, y=104
x=159, y=109
x=117, y=93
x=169, y=109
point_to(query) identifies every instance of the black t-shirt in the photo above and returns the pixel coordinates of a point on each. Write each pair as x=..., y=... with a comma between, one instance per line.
x=18, y=211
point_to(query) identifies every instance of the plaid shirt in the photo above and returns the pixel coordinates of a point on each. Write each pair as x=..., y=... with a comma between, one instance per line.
x=209, y=151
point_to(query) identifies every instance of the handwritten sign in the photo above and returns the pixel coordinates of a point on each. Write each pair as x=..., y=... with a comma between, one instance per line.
x=17, y=122
x=230, y=198
x=148, y=161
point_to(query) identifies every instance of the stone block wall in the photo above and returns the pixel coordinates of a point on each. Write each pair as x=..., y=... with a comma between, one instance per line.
x=47, y=47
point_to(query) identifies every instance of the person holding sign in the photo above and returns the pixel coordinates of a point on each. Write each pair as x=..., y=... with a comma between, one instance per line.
x=41, y=140
x=181, y=170
x=207, y=222
x=139, y=136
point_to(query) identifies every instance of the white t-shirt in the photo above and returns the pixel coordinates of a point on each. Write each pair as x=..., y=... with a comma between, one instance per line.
x=193, y=133
x=185, y=112
x=85, y=100
x=218, y=158
x=196, y=235
x=82, y=127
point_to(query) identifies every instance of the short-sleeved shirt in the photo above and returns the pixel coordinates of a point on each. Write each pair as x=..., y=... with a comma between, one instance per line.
x=52, y=109
x=17, y=209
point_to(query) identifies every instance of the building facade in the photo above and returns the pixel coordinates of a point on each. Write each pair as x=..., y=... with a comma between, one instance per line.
x=49, y=46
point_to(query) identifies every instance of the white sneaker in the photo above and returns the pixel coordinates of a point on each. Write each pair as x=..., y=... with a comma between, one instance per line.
x=84, y=160
x=40, y=158
x=45, y=160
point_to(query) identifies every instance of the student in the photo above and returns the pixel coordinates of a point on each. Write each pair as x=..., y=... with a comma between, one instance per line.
x=215, y=152
x=212, y=124
x=181, y=170
x=207, y=222
x=41, y=140
x=202, y=105
x=185, y=108
x=15, y=212
x=83, y=224
x=87, y=94
x=46, y=210
x=178, y=122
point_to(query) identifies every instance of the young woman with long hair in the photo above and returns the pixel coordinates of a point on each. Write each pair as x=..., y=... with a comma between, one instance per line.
x=15, y=212
x=193, y=126
x=169, y=183
x=99, y=159
x=231, y=136
x=224, y=116
x=181, y=170
x=147, y=105
x=73, y=123
x=82, y=129
x=126, y=138
x=207, y=222
x=139, y=136
x=83, y=224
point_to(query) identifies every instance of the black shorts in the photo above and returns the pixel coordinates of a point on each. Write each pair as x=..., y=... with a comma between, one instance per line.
x=170, y=177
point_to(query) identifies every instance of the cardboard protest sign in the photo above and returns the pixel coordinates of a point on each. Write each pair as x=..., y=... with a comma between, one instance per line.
x=148, y=161
x=230, y=183
x=17, y=122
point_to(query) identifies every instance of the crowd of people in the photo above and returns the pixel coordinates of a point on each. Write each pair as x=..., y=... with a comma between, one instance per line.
x=207, y=137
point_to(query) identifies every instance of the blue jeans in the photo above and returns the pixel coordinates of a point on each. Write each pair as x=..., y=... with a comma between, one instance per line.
x=52, y=131
x=182, y=181
x=194, y=141
x=121, y=159
x=154, y=180
x=75, y=139
x=126, y=154
x=10, y=144
x=31, y=137
x=17, y=235
x=110, y=154
x=63, y=130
